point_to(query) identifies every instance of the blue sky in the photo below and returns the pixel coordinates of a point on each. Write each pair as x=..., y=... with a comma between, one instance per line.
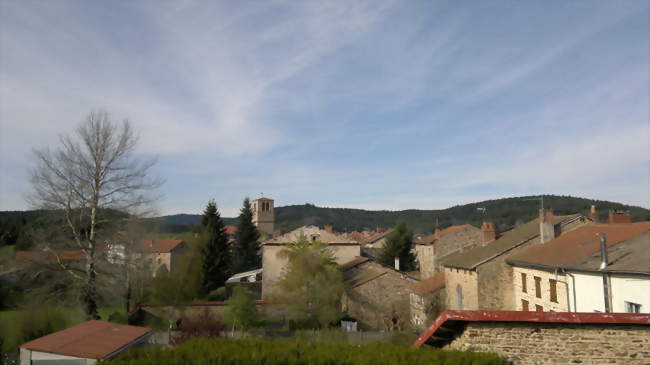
x=369, y=104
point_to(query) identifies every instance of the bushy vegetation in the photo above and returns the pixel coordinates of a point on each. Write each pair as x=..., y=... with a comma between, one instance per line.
x=271, y=352
x=17, y=327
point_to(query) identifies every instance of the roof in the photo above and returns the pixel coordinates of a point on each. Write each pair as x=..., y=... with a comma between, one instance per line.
x=92, y=339
x=354, y=262
x=628, y=249
x=432, y=237
x=324, y=236
x=450, y=323
x=236, y=278
x=429, y=285
x=508, y=240
x=377, y=236
x=160, y=245
x=69, y=255
x=230, y=229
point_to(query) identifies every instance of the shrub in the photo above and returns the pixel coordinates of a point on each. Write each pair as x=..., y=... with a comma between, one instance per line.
x=204, y=326
x=271, y=352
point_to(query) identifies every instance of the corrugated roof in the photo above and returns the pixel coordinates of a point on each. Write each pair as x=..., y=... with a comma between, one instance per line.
x=429, y=285
x=432, y=237
x=580, y=248
x=92, y=339
x=160, y=245
x=474, y=257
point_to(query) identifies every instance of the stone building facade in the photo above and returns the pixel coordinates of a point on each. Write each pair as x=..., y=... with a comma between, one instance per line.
x=377, y=296
x=481, y=278
x=168, y=253
x=539, y=290
x=264, y=216
x=427, y=300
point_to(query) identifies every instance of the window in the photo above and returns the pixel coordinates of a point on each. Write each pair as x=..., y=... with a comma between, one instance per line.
x=632, y=307
x=524, y=305
x=539, y=308
x=553, y=284
x=524, y=288
x=538, y=287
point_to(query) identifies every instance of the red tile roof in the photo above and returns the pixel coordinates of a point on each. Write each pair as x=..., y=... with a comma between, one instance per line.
x=440, y=333
x=376, y=237
x=429, y=285
x=231, y=230
x=570, y=248
x=69, y=255
x=92, y=339
x=432, y=237
x=160, y=245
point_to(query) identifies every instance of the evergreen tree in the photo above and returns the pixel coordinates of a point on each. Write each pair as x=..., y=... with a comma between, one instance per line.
x=215, y=251
x=399, y=244
x=247, y=242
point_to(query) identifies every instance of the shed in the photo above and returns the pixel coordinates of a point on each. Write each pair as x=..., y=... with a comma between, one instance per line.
x=83, y=344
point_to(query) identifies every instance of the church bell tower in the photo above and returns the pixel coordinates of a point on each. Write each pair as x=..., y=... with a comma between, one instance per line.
x=263, y=216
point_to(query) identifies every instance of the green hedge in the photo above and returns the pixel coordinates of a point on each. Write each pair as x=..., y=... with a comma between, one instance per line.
x=285, y=352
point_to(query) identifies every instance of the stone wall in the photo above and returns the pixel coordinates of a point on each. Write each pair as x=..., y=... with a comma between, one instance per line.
x=551, y=343
x=430, y=255
x=425, y=307
x=545, y=303
x=467, y=280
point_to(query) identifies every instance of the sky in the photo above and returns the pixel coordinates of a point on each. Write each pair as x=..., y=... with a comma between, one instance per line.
x=363, y=104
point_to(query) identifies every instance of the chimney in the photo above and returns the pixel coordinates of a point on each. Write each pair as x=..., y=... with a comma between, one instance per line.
x=546, y=225
x=603, y=251
x=397, y=263
x=593, y=214
x=379, y=229
x=328, y=228
x=489, y=232
x=619, y=216
x=151, y=243
x=436, y=232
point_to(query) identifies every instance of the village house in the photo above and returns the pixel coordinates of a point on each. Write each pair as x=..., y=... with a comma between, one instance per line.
x=378, y=239
x=432, y=249
x=376, y=295
x=342, y=247
x=481, y=279
x=578, y=273
x=427, y=299
x=158, y=253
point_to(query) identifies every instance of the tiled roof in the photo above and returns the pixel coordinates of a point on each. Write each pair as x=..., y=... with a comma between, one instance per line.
x=439, y=333
x=432, y=237
x=354, y=262
x=580, y=248
x=160, y=245
x=429, y=285
x=92, y=339
x=69, y=255
x=376, y=237
x=508, y=240
x=231, y=230
x=322, y=236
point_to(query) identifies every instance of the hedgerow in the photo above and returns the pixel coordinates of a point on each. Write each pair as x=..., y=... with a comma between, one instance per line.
x=275, y=352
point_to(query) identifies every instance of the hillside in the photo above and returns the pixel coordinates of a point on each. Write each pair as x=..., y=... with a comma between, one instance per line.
x=506, y=212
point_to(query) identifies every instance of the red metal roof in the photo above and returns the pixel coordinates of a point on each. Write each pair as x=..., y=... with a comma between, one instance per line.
x=92, y=339
x=438, y=331
x=160, y=245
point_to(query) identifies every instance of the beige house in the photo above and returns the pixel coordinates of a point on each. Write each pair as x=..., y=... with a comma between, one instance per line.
x=378, y=239
x=432, y=249
x=342, y=247
x=568, y=273
x=481, y=279
x=377, y=296
x=167, y=253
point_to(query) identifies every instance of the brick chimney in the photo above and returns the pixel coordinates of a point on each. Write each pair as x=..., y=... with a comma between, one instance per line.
x=619, y=217
x=328, y=228
x=593, y=214
x=436, y=232
x=546, y=225
x=489, y=232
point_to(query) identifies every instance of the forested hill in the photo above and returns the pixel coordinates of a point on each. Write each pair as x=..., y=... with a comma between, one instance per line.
x=506, y=212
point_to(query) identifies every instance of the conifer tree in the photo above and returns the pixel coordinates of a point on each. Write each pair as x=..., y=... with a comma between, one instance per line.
x=215, y=251
x=399, y=244
x=247, y=242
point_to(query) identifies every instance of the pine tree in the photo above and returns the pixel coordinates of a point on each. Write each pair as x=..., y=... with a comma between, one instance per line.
x=215, y=251
x=399, y=244
x=247, y=242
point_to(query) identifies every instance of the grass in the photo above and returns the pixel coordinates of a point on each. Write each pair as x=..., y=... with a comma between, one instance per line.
x=289, y=352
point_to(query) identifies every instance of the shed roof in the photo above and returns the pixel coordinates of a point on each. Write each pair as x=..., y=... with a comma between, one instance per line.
x=628, y=249
x=429, y=285
x=449, y=324
x=508, y=240
x=92, y=340
x=160, y=245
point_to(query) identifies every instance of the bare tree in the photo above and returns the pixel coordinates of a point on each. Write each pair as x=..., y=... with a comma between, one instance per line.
x=93, y=179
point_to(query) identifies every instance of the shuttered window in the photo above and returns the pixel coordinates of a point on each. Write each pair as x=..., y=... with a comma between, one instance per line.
x=538, y=287
x=524, y=288
x=524, y=305
x=553, y=284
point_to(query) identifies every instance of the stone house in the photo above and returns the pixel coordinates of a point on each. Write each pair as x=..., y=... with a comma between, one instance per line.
x=427, y=300
x=574, y=273
x=376, y=296
x=523, y=338
x=378, y=239
x=342, y=247
x=432, y=249
x=481, y=279
x=168, y=253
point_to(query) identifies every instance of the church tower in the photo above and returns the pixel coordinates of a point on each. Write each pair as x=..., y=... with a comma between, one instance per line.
x=263, y=216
